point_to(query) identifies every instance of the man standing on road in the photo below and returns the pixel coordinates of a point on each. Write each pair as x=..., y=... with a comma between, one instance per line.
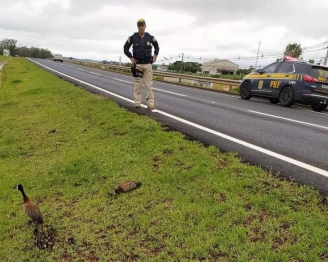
x=142, y=43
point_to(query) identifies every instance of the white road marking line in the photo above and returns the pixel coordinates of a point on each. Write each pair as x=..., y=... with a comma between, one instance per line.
x=122, y=80
x=217, y=93
x=83, y=82
x=243, y=143
x=153, y=88
x=169, y=92
x=219, y=134
x=94, y=73
x=80, y=69
x=300, y=108
x=202, y=90
x=287, y=119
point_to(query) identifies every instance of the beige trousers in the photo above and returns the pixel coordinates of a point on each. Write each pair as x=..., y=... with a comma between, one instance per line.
x=147, y=71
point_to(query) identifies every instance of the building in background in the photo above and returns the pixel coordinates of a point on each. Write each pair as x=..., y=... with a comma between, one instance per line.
x=6, y=52
x=162, y=67
x=219, y=66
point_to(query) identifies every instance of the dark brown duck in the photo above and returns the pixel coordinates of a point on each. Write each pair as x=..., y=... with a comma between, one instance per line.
x=30, y=208
x=127, y=187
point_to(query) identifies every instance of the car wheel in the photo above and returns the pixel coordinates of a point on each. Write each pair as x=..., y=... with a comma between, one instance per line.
x=274, y=100
x=319, y=107
x=245, y=91
x=286, y=97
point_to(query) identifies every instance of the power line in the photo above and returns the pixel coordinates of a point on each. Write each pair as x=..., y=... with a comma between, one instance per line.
x=314, y=48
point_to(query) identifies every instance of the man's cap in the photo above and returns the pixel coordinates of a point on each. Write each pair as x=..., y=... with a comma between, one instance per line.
x=141, y=22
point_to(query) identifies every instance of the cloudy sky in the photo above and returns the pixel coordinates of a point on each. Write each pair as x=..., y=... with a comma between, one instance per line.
x=202, y=30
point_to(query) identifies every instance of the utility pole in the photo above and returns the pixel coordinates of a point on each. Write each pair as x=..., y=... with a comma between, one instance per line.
x=325, y=63
x=169, y=64
x=257, y=56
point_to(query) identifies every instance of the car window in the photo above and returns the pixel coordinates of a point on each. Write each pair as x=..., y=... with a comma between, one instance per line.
x=303, y=68
x=285, y=68
x=320, y=72
x=271, y=68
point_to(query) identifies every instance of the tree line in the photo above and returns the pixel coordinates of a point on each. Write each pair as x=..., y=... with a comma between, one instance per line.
x=24, y=51
x=183, y=67
x=294, y=50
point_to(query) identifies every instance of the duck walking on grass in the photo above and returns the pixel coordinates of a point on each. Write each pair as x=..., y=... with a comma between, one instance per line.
x=30, y=208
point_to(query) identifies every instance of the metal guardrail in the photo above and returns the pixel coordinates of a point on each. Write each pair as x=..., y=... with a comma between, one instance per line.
x=228, y=84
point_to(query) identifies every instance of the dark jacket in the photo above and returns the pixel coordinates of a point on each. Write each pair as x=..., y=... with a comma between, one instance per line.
x=141, y=48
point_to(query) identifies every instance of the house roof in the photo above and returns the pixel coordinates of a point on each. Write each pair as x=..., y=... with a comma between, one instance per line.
x=221, y=62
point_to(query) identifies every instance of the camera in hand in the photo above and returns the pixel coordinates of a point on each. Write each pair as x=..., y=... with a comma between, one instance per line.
x=136, y=72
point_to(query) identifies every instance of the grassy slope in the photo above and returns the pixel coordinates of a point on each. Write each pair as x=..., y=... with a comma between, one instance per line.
x=3, y=57
x=70, y=148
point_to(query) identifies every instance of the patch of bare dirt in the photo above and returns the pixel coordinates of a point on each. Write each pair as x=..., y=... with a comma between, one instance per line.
x=44, y=237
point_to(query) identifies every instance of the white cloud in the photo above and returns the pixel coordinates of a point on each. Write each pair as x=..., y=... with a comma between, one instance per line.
x=208, y=29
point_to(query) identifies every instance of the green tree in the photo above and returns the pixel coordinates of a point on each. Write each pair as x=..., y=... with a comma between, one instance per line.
x=177, y=66
x=24, y=51
x=182, y=67
x=311, y=61
x=294, y=50
x=172, y=67
x=9, y=44
x=193, y=67
x=244, y=71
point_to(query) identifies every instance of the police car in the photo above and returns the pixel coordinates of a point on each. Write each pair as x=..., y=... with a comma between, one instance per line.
x=289, y=81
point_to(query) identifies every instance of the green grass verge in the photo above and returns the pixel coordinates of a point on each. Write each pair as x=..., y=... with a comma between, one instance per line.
x=3, y=57
x=71, y=148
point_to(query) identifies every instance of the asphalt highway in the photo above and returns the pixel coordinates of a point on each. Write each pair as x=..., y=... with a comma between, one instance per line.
x=289, y=142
